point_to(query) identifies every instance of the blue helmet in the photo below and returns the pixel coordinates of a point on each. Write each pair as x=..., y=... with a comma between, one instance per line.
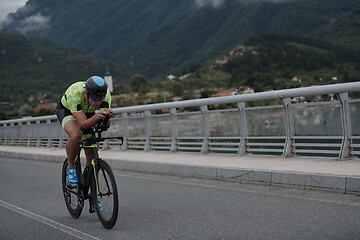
x=96, y=87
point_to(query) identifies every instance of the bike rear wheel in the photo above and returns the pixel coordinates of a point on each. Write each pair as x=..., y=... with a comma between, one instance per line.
x=107, y=195
x=73, y=202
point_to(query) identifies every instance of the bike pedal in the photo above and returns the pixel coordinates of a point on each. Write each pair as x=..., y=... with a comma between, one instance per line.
x=91, y=208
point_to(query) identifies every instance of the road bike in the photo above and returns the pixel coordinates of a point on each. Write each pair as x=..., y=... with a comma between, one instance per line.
x=96, y=183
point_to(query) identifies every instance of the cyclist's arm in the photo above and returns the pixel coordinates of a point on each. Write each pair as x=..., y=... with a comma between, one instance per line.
x=89, y=122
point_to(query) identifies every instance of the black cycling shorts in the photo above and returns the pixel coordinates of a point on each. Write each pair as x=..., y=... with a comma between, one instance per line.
x=64, y=115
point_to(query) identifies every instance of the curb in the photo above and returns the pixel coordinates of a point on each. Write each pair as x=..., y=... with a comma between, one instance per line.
x=335, y=183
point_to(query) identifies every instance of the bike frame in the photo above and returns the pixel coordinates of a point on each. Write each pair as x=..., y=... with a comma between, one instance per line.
x=90, y=140
x=85, y=183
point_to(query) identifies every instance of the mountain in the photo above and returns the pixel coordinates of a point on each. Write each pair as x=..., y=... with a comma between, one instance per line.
x=157, y=37
x=31, y=65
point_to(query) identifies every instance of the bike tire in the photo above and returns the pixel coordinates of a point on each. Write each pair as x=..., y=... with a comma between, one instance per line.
x=71, y=198
x=106, y=195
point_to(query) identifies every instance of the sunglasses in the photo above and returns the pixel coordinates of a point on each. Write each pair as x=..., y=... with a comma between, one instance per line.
x=96, y=98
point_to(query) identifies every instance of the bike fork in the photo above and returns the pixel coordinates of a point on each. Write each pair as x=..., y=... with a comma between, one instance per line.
x=92, y=173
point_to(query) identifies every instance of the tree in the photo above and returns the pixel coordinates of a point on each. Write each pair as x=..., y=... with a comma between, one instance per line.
x=137, y=81
x=177, y=89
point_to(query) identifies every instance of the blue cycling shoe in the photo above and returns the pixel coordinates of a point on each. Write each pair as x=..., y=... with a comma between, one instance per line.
x=71, y=176
x=93, y=208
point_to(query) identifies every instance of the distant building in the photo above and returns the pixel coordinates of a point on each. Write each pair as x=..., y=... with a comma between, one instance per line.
x=47, y=106
x=175, y=99
x=296, y=79
x=31, y=98
x=143, y=99
x=238, y=51
x=170, y=77
x=109, y=81
x=223, y=93
x=245, y=90
x=222, y=60
x=233, y=91
x=164, y=110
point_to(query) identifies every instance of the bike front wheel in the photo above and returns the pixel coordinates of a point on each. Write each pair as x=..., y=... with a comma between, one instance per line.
x=106, y=195
x=73, y=202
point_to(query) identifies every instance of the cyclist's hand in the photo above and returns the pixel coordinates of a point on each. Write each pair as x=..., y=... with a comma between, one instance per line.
x=101, y=114
x=109, y=112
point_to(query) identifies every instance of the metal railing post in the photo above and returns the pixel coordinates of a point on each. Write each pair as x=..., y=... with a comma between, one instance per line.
x=243, y=128
x=48, y=122
x=147, y=146
x=13, y=133
x=105, y=145
x=206, y=129
x=126, y=130
x=61, y=142
x=345, y=124
x=38, y=142
x=174, y=130
x=288, y=151
x=28, y=125
x=5, y=134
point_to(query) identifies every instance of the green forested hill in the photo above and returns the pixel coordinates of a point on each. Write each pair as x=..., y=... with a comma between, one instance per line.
x=271, y=61
x=32, y=66
x=157, y=37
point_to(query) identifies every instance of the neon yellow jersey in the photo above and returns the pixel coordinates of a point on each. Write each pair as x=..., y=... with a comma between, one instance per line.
x=74, y=99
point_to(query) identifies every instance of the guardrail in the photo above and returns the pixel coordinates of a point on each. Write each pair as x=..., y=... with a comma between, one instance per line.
x=327, y=128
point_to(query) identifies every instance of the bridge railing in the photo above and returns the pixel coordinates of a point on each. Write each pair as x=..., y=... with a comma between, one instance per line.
x=317, y=127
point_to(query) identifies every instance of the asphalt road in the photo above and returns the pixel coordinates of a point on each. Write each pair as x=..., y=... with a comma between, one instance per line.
x=169, y=207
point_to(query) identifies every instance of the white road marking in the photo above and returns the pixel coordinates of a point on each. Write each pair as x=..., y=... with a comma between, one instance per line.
x=72, y=231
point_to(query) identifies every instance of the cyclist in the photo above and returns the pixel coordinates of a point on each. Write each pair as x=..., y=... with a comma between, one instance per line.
x=77, y=109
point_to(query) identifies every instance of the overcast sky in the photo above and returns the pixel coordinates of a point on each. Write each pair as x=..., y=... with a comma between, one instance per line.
x=8, y=6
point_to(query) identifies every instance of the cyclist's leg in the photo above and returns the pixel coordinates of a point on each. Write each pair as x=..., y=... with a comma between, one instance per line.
x=72, y=128
x=88, y=151
x=88, y=154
